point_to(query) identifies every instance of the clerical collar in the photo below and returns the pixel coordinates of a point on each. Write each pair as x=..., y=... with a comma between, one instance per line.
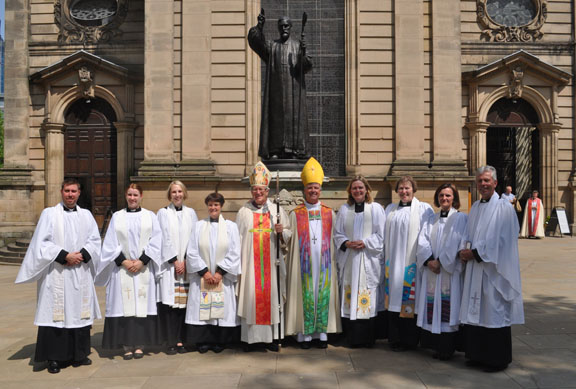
x=403, y=204
x=177, y=208
x=358, y=208
x=485, y=201
x=134, y=210
x=444, y=213
x=66, y=209
x=256, y=205
x=214, y=220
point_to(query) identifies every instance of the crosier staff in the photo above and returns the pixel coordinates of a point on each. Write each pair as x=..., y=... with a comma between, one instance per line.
x=277, y=201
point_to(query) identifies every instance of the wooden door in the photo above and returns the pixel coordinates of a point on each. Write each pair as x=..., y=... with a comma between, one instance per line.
x=90, y=155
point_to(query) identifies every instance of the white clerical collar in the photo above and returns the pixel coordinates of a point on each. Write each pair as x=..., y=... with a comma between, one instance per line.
x=133, y=210
x=66, y=209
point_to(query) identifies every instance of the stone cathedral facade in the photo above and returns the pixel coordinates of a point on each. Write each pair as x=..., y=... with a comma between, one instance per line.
x=147, y=91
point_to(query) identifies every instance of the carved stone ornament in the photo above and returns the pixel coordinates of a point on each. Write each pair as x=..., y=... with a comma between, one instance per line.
x=85, y=81
x=511, y=20
x=89, y=21
x=516, y=82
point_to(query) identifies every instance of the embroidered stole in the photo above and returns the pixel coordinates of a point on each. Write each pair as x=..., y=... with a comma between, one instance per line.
x=79, y=280
x=179, y=234
x=434, y=288
x=212, y=296
x=261, y=234
x=135, y=302
x=408, y=308
x=315, y=312
x=533, y=223
x=363, y=296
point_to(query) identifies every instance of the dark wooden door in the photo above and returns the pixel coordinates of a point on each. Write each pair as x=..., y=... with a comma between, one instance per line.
x=90, y=155
x=501, y=153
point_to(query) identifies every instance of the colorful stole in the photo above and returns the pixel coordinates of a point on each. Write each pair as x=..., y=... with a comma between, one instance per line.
x=532, y=227
x=315, y=320
x=180, y=232
x=261, y=246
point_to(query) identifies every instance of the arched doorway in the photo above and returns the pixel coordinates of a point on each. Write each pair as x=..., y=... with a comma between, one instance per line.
x=512, y=145
x=90, y=154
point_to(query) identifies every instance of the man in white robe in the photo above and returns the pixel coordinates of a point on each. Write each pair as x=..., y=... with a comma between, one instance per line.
x=312, y=306
x=62, y=257
x=259, y=307
x=492, y=291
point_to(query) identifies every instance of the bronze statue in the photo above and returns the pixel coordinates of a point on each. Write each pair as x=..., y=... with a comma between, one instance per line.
x=284, y=128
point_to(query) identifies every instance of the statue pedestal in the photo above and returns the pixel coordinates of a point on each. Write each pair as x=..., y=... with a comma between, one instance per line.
x=285, y=165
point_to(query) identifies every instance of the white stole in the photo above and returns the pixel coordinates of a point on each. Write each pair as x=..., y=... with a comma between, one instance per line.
x=212, y=296
x=363, y=297
x=58, y=273
x=179, y=235
x=135, y=304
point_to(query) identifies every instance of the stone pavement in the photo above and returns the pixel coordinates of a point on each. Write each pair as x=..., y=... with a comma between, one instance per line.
x=544, y=348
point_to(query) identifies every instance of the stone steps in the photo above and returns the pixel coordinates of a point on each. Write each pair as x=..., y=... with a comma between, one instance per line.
x=14, y=252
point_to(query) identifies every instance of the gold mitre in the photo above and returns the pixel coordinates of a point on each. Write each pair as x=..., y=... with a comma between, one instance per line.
x=260, y=175
x=312, y=172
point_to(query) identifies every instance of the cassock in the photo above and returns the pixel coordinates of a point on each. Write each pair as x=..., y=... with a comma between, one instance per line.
x=402, y=278
x=172, y=292
x=284, y=125
x=67, y=302
x=312, y=305
x=359, y=270
x=492, y=292
x=533, y=220
x=258, y=305
x=211, y=312
x=438, y=299
x=130, y=297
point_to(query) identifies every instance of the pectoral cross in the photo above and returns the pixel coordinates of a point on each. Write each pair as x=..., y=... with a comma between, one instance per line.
x=314, y=239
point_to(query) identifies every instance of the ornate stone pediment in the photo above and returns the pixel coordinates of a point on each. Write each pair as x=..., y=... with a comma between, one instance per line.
x=511, y=21
x=89, y=21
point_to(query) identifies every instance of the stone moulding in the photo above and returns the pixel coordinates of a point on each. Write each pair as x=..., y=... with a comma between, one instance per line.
x=73, y=32
x=496, y=32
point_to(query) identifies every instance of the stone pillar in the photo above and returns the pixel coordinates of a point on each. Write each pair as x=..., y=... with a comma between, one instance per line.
x=124, y=157
x=548, y=133
x=253, y=91
x=158, y=87
x=409, y=87
x=53, y=162
x=352, y=117
x=447, y=89
x=196, y=65
x=477, y=147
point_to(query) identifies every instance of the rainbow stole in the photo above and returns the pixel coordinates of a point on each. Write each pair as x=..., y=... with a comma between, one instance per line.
x=315, y=321
x=261, y=246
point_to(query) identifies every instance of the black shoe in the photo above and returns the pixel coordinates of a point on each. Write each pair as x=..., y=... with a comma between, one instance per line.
x=305, y=345
x=203, y=348
x=85, y=362
x=128, y=356
x=181, y=349
x=494, y=369
x=217, y=348
x=53, y=367
x=323, y=344
x=471, y=363
x=272, y=347
x=138, y=354
x=171, y=351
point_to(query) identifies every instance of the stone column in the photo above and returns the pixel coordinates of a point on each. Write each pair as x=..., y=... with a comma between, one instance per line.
x=409, y=90
x=352, y=117
x=477, y=147
x=548, y=134
x=124, y=157
x=253, y=92
x=158, y=87
x=446, y=88
x=53, y=162
x=196, y=65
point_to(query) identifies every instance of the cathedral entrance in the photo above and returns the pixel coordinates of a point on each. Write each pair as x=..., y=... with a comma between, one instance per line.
x=90, y=154
x=512, y=146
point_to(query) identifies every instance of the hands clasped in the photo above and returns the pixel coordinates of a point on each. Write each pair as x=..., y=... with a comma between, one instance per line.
x=212, y=279
x=132, y=265
x=355, y=244
x=74, y=258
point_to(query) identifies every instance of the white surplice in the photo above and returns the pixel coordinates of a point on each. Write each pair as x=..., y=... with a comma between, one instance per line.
x=109, y=273
x=400, y=252
x=66, y=294
x=492, y=291
x=360, y=270
x=441, y=238
x=177, y=227
x=229, y=263
x=252, y=332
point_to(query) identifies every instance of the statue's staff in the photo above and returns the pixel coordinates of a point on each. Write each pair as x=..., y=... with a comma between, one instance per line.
x=302, y=56
x=277, y=200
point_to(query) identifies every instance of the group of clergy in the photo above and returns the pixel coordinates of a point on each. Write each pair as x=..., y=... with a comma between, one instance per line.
x=444, y=280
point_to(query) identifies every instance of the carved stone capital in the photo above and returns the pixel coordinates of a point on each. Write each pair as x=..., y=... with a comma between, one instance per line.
x=516, y=83
x=494, y=30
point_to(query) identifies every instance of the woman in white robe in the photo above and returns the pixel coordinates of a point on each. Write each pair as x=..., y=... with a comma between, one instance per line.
x=359, y=237
x=213, y=265
x=176, y=222
x=534, y=215
x=438, y=299
x=130, y=260
x=404, y=221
